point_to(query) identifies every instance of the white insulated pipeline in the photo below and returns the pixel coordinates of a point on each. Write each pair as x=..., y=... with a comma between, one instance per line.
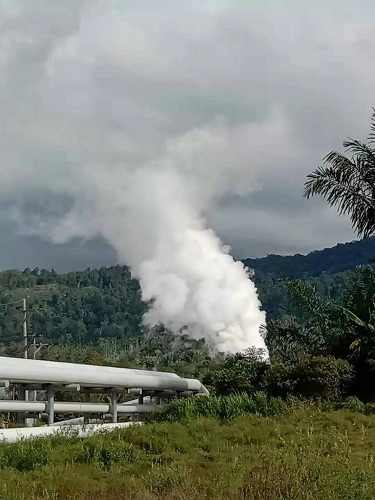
x=77, y=431
x=72, y=407
x=31, y=371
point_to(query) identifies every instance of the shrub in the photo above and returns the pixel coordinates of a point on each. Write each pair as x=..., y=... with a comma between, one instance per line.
x=26, y=455
x=105, y=454
x=280, y=380
x=242, y=372
x=323, y=377
x=353, y=404
x=369, y=409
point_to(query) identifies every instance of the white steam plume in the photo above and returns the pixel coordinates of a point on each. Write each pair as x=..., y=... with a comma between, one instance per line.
x=78, y=125
x=153, y=218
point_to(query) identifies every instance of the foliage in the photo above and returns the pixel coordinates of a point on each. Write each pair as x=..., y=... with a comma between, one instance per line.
x=341, y=327
x=358, y=306
x=241, y=372
x=324, y=378
x=105, y=306
x=276, y=299
x=280, y=380
x=313, y=377
x=330, y=315
x=223, y=407
x=349, y=183
x=341, y=257
x=317, y=316
x=103, y=309
x=286, y=339
x=353, y=404
x=27, y=456
x=79, y=307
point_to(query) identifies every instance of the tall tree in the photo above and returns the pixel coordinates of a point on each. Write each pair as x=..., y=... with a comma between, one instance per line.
x=348, y=182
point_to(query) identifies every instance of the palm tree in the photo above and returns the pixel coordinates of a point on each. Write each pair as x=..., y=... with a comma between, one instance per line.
x=348, y=183
x=287, y=340
x=341, y=327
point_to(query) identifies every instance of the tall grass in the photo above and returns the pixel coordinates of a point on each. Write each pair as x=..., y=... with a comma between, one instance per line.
x=224, y=407
x=307, y=453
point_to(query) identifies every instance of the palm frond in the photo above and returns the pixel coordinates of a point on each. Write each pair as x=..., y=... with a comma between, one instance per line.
x=344, y=185
x=349, y=183
x=286, y=339
x=355, y=319
x=360, y=148
x=371, y=137
x=308, y=304
x=360, y=292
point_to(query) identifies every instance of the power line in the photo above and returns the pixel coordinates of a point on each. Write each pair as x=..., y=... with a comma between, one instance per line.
x=20, y=300
x=6, y=338
x=13, y=302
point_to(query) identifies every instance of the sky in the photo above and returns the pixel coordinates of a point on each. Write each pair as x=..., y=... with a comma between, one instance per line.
x=247, y=97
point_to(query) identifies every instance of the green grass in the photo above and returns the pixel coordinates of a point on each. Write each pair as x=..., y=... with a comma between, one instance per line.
x=306, y=453
x=225, y=407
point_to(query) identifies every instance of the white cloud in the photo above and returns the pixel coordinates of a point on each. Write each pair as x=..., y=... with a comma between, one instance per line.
x=239, y=97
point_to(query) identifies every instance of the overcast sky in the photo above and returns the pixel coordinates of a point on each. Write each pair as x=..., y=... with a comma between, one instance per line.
x=115, y=80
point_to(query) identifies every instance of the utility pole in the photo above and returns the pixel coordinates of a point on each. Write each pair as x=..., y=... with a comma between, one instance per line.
x=25, y=339
x=25, y=336
x=28, y=421
x=38, y=347
x=28, y=395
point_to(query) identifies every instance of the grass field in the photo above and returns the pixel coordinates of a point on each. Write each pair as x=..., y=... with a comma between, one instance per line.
x=306, y=454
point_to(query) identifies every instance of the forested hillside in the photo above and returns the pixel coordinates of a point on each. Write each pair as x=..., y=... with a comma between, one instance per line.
x=339, y=258
x=276, y=299
x=77, y=311
x=78, y=307
x=92, y=305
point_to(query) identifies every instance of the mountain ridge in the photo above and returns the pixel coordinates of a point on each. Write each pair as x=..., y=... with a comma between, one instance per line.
x=336, y=259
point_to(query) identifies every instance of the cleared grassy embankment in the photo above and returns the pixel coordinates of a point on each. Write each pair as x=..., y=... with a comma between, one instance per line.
x=300, y=453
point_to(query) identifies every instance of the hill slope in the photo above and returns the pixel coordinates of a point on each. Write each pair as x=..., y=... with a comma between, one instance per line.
x=83, y=307
x=74, y=307
x=339, y=258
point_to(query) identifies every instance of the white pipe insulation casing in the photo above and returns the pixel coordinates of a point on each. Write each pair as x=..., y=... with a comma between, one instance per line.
x=73, y=407
x=14, y=435
x=31, y=371
x=193, y=384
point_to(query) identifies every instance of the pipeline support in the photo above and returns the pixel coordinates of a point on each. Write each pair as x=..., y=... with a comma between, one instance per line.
x=51, y=404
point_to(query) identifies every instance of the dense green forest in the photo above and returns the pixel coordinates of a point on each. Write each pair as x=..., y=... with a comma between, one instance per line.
x=339, y=258
x=78, y=307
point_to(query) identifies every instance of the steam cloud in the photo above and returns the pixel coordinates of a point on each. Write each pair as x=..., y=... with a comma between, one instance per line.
x=152, y=215
x=97, y=137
